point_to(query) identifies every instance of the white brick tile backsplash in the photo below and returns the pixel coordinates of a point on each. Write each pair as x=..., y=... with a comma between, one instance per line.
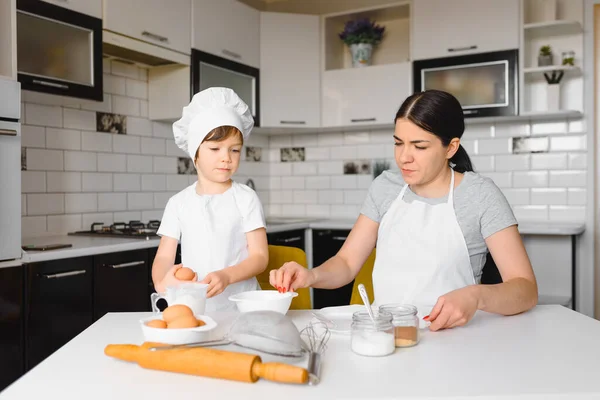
x=364, y=181
x=344, y=153
x=280, y=169
x=530, y=179
x=470, y=146
x=125, y=105
x=261, y=183
x=304, y=140
x=48, y=99
x=96, y=141
x=316, y=153
x=576, y=196
x=137, y=89
x=382, y=136
x=144, y=108
x=317, y=210
x=344, y=182
x=512, y=162
x=154, y=183
x=36, y=114
x=45, y=204
x=304, y=168
x=305, y=196
x=275, y=183
x=517, y=196
x=126, y=182
x=23, y=204
x=122, y=69
x=330, y=139
x=112, y=202
x=292, y=183
x=33, y=136
x=63, y=182
x=483, y=163
x=494, y=146
x=263, y=196
x=375, y=151
x=254, y=169
x=45, y=160
x=139, y=163
x=80, y=161
x=106, y=65
x=126, y=216
x=282, y=196
x=140, y=201
x=345, y=211
x=354, y=196
x=79, y=119
x=548, y=128
x=331, y=168
x=126, y=144
x=567, y=213
x=177, y=182
x=351, y=138
x=331, y=197
x=274, y=155
x=63, y=224
x=262, y=141
x=318, y=182
x=88, y=219
x=103, y=106
x=81, y=202
x=163, y=130
x=64, y=139
x=501, y=179
x=114, y=84
x=577, y=161
x=108, y=162
x=278, y=141
x=173, y=150
x=33, y=181
x=273, y=210
x=568, y=143
x=541, y=196
x=153, y=146
x=97, y=182
x=167, y=165
x=161, y=199
x=33, y=226
x=150, y=215
x=531, y=213
x=568, y=179
x=549, y=161
x=576, y=126
x=478, y=131
x=512, y=130
x=139, y=126
x=143, y=74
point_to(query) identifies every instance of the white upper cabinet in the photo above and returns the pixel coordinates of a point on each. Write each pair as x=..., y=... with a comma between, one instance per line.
x=365, y=96
x=89, y=7
x=290, y=87
x=228, y=29
x=160, y=22
x=443, y=28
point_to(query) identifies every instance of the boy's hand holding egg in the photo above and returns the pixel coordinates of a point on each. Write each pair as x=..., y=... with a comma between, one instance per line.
x=175, y=275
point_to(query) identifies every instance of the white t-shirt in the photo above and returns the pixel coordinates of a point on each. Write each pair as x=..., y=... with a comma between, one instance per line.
x=212, y=231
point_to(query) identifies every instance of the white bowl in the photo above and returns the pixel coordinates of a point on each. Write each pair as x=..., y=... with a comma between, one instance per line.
x=260, y=300
x=177, y=336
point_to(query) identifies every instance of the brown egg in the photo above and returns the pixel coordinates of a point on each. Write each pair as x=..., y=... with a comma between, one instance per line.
x=184, y=274
x=186, y=321
x=157, y=323
x=176, y=311
x=201, y=323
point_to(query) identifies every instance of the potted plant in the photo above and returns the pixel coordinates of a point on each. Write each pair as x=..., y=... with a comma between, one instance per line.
x=361, y=36
x=553, y=89
x=545, y=57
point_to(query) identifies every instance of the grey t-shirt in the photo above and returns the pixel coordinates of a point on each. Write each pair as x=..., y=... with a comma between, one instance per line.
x=481, y=209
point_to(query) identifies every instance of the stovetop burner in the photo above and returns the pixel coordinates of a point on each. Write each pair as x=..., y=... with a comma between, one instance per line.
x=132, y=229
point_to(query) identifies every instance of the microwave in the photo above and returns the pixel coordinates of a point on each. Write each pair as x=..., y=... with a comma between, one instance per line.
x=485, y=84
x=209, y=70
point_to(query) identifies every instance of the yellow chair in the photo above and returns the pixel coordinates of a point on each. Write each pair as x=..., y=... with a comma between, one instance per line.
x=278, y=255
x=364, y=277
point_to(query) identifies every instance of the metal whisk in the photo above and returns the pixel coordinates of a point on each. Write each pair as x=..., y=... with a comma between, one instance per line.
x=315, y=335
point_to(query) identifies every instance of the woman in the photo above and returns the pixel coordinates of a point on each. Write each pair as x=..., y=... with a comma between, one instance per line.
x=433, y=223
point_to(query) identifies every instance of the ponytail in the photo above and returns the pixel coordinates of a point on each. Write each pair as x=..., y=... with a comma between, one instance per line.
x=461, y=160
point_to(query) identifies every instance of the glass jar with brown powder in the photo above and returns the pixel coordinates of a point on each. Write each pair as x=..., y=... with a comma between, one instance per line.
x=406, y=323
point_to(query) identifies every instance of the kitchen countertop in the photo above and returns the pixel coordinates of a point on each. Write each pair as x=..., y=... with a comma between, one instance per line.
x=549, y=352
x=87, y=246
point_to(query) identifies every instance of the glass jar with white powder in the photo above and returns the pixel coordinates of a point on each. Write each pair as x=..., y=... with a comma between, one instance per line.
x=374, y=340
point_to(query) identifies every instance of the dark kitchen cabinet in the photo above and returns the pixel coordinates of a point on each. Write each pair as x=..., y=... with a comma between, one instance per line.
x=293, y=238
x=120, y=282
x=326, y=244
x=59, y=303
x=151, y=254
x=12, y=354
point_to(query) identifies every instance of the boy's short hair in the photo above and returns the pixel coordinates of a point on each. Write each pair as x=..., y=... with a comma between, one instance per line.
x=219, y=134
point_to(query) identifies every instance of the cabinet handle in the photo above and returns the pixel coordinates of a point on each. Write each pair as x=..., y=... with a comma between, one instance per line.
x=363, y=120
x=51, y=84
x=453, y=49
x=339, y=238
x=8, y=132
x=291, y=240
x=126, y=265
x=293, y=122
x=64, y=274
x=231, y=54
x=154, y=36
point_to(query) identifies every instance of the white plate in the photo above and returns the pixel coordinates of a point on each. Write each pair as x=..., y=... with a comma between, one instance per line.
x=338, y=319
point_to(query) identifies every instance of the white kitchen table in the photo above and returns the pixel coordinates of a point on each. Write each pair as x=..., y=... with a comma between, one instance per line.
x=548, y=353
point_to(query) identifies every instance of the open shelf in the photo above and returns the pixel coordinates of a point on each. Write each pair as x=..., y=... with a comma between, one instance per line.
x=538, y=72
x=553, y=28
x=393, y=49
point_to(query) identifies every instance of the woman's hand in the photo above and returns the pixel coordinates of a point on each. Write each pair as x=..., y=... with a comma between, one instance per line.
x=453, y=309
x=217, y=282
x=169, y=279
x=290, y=276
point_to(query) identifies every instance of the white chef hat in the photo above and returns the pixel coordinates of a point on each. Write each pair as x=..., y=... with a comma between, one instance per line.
x=210, y=109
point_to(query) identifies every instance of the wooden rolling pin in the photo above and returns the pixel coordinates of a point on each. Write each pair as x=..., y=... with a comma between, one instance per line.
x=207, y=362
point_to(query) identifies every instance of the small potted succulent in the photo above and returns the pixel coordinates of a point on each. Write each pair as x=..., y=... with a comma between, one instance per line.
x=545, y=57
x=361, y=36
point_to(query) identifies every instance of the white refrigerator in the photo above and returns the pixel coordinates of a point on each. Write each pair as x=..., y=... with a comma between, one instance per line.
x=10, y=169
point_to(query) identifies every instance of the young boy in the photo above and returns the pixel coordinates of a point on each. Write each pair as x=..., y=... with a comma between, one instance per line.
x=219, y=222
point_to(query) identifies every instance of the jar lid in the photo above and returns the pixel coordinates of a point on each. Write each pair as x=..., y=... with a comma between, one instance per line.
x=399, y=310
x=382, y=318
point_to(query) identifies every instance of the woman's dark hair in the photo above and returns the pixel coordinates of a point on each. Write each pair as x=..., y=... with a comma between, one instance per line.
x=439, y=113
